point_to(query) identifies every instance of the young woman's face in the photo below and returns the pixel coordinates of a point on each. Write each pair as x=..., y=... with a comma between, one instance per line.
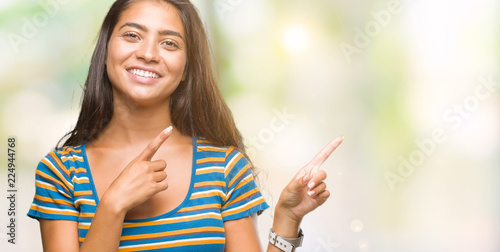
x=146, y=53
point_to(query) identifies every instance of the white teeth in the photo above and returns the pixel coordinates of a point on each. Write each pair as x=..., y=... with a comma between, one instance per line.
x=143, y=73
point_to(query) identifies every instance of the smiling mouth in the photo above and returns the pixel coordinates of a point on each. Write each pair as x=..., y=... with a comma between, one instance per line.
x=142, y=73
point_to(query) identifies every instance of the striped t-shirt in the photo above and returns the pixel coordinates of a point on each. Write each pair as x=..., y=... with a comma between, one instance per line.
x=222, y=188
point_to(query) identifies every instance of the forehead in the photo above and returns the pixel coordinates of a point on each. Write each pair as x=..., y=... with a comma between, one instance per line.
x=155, y=15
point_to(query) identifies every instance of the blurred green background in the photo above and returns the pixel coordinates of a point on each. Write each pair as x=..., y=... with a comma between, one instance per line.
x=412, y=85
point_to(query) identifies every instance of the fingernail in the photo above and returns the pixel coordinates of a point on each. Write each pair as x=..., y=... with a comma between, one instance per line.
x=305, y=178
x=311, y=193
x=167, y=130
x=311, y=185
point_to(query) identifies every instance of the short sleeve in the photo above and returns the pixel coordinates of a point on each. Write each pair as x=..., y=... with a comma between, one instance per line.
x=54, y=191
x=242, y=197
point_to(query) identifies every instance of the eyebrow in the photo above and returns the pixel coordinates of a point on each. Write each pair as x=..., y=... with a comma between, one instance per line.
x=144, y=28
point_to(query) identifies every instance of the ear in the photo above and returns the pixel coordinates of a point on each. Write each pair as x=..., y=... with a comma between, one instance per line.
x=184, y=76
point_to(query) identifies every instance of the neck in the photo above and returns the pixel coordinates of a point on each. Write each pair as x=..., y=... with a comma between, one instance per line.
x=136, y=125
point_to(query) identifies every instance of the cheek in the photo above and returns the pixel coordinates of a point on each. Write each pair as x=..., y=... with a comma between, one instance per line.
x=116, y=53
x=176, y=63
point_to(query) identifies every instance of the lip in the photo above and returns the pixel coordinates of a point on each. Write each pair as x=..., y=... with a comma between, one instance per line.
x=140, y=79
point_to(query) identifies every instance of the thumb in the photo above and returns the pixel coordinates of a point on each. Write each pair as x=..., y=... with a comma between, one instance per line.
x=300, y=181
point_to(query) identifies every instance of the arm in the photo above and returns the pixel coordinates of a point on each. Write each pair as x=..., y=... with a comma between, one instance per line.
x=53, y=230
x=302, y=195
x=139, y=181
x=104, y=233
x=241, y=235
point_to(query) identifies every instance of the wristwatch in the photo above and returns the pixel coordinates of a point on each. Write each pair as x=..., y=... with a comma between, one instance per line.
x=286, y=244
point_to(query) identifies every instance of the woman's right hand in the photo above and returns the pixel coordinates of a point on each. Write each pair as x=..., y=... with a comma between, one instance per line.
x=141, y=178
x=139, y=181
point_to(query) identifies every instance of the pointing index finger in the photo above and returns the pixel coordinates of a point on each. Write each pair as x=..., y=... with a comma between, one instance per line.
x=148, y=153
x=325, y=153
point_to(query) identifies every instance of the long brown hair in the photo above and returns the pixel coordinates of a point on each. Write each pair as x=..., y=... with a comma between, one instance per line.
x=197, y=107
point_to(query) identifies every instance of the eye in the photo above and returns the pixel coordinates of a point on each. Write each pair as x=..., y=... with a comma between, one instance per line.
x=131, y=35
x=170, y=44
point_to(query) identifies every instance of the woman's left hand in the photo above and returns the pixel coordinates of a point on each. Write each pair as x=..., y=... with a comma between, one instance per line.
x=306, y=191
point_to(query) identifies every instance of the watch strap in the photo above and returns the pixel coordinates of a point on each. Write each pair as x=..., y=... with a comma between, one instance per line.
x=286, y=244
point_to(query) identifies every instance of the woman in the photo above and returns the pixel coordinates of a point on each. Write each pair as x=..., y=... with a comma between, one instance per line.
x=190, y=187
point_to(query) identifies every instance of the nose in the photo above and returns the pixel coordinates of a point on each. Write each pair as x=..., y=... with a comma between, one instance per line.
x=148, y=51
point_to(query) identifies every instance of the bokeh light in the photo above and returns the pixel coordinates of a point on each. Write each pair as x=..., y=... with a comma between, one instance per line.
x=295, y=38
